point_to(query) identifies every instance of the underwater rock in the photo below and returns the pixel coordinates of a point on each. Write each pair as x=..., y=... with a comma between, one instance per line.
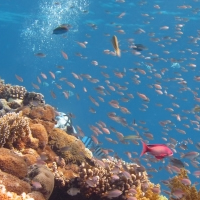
x=42, y=175
x=12, y=163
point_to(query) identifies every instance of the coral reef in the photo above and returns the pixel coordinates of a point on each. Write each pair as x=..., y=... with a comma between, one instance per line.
x=68, y=147
x=42, y=176
x=38, y=131
x=9, y=91
x=44, y=115
x=182, y=191
x=42, y=162
x=5, y=195
x=12, y=163
x=14, y=184
x=33, y=99
x=13, y=127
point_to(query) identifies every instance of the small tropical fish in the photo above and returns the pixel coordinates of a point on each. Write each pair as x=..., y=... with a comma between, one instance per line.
x=35, y=86
x=44, y=76
x=73, y=191
x=52, y=74
x=19, y=78
x=53, y=94
x=63, y=28
x=176, y=162
x=36, y=184
x=139, y=47
x=113, y=193
x=82, y=44
x=160, y=151
x=41, y=55
x=196, y=108
x=132, y=137
x=190, y=155
x=65, y=56
x=116, y=46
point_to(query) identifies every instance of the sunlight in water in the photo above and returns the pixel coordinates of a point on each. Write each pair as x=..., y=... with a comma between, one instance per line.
x=37, y=32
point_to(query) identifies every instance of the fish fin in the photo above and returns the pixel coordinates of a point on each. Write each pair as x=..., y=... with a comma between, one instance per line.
x=159, y=157
x=145, y=148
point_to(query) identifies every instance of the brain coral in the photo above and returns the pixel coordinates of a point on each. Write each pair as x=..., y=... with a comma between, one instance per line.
x=13, y=127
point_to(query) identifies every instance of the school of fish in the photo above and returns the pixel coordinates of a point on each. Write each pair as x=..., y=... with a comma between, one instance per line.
x=133, y=102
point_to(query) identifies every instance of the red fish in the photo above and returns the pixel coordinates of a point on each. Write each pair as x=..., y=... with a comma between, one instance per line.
x=160, y=151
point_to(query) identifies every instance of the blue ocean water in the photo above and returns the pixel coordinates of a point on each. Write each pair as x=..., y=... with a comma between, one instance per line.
x=26, y=29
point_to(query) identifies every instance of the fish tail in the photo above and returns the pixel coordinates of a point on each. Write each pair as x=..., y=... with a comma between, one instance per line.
x=145, y=148
x=118, y=52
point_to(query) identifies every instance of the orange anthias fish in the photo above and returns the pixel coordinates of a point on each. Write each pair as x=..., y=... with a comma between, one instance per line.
x=160, y=151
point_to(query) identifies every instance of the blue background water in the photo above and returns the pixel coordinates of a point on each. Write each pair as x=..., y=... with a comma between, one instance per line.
x=26, y=28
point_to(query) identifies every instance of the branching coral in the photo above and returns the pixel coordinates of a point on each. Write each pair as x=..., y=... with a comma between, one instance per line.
x=111, y=175
x=13, y=127
x=186, y=192
x=8, y=91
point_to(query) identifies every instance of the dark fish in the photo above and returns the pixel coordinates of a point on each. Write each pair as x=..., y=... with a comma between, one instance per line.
x=176, y=162
x=139, y=47
x=63, y=28
x=41, y=55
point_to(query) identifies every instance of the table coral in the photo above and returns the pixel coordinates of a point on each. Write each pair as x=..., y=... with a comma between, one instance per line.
x=13, y=127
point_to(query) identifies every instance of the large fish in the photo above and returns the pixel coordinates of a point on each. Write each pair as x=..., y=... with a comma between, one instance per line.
x=160, y=151
x=63, y=28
